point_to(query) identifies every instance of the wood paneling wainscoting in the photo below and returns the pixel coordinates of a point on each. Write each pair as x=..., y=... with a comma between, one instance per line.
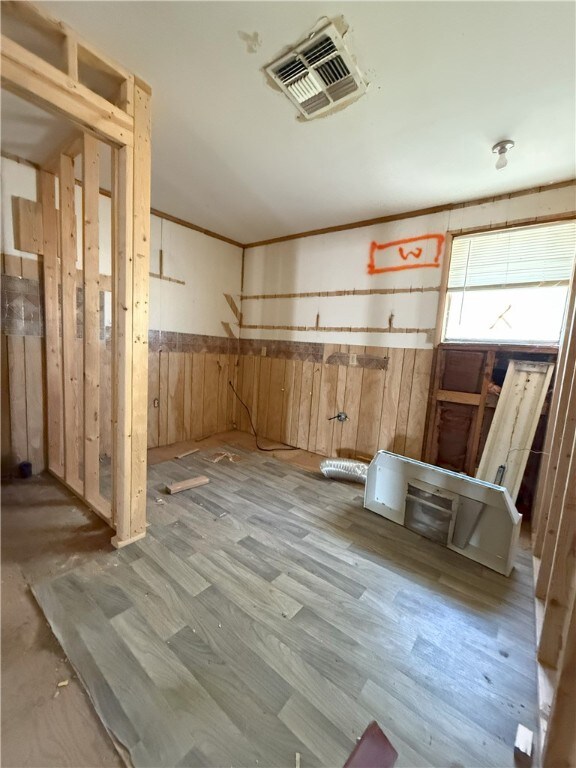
x=189, y=397
x=294, y=389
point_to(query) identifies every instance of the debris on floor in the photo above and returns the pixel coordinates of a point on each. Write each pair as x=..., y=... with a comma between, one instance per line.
x=187, y=453
x=217, y=457
x=186, y=485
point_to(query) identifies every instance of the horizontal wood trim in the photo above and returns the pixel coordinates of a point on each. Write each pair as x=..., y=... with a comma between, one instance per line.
x=525, y=222
x=547, y=349
x=27, y=75
x=157, y=276
x=337, y=329
x=503, y=286
x=419, y=212
x=195, y=227
x=465, y=398
x=331, y=294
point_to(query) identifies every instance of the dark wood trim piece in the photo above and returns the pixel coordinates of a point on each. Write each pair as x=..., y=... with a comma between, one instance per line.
x=419, y=212
x=337, y=329
x=330, y=294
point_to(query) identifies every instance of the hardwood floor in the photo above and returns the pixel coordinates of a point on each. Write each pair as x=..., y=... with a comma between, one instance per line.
x=268, y=614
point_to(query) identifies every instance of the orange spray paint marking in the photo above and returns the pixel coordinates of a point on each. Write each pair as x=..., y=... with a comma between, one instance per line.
x=417, y=253
x=394, y=251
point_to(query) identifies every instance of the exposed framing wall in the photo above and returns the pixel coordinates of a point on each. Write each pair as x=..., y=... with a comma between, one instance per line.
x=554, y=532
x=125, y=126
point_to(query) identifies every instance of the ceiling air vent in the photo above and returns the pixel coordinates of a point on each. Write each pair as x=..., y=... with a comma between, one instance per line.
x=320, y=75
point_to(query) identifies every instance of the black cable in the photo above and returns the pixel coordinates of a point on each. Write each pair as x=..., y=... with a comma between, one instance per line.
x=270, y=450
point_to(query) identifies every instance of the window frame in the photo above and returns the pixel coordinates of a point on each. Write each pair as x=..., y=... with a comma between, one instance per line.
x=443, y=290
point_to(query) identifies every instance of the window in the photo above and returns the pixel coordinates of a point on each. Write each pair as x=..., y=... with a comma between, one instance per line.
x=510, y=285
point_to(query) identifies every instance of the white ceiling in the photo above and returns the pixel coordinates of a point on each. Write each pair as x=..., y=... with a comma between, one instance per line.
x=447, y=80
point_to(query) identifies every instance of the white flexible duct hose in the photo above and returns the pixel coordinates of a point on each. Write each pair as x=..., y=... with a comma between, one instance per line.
x=344, y=469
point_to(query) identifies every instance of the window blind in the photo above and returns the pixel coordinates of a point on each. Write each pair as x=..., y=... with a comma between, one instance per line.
x=517, y=256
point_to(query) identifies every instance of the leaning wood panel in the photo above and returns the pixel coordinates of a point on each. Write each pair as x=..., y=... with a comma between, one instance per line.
x=91, y=333
x=69, y=358
x=515, y=421
x=54, y=382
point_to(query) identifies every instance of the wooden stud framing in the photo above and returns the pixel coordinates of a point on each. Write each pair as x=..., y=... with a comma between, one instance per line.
x=141, y=266
x=91, y=325
x=55, y=419
x=73, y=452
x=555, y=516
x=68, y=282
x=27, y=75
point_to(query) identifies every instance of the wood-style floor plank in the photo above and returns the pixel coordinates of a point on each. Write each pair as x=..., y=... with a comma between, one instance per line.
x=268, y=613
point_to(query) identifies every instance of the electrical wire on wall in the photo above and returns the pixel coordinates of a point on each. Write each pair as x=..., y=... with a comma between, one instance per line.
x=260, y=448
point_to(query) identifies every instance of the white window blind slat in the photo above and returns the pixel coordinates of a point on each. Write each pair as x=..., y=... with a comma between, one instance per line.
x=543, y=253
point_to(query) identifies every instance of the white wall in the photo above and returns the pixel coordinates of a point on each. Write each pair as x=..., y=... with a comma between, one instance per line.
x=338, y=261
x=209, y=267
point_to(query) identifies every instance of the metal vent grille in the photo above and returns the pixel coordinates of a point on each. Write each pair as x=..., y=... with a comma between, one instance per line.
x=318, y=75
x=322, y=48
x=290, y=70
x=315, y=103
x=342, y=89
x=304, y=88
x=333, y=70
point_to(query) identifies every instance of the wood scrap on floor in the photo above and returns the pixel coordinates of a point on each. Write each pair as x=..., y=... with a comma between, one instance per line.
x=186, y=485
x=186, y=453
x=218, y=457
x=523, y=745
